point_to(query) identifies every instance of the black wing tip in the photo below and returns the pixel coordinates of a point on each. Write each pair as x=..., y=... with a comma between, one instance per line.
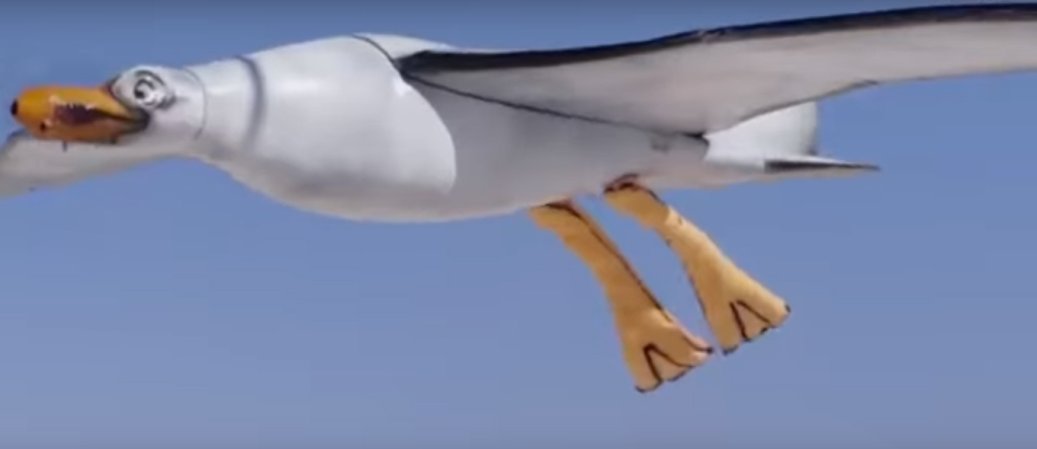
x=786, y=166
x=432, y=60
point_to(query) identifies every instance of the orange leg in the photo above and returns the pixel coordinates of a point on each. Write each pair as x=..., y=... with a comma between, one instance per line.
x=656, y=347
x=737, y=307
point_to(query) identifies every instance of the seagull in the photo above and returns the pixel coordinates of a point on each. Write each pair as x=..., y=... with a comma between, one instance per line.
x=392, y=128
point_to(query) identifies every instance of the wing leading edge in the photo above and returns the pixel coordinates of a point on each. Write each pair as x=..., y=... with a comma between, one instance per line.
x=27, y=164
x=708, y=80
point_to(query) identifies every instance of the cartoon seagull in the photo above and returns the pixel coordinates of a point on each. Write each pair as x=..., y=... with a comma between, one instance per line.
x=386, y=128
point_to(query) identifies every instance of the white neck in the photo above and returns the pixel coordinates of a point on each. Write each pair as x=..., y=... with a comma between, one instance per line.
x=230, y=87
x=325, y=121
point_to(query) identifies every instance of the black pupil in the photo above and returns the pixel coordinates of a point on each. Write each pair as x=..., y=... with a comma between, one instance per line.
x=141, y=91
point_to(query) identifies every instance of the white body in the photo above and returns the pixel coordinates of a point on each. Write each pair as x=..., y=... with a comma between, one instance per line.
x=334, y=129
x=390, y=128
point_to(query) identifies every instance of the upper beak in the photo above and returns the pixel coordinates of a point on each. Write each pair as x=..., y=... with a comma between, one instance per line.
x=76, y=114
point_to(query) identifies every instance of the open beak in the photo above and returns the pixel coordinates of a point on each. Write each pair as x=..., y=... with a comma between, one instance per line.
x=76, y=114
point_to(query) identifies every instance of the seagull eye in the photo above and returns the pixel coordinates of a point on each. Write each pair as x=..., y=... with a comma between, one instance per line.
x=149, y=91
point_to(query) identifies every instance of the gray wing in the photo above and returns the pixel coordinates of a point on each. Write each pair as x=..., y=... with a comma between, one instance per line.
x=708, y=80
x=27, y=164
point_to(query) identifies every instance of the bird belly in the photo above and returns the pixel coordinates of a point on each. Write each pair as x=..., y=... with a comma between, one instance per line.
x=509, y=159
x=505, y=160
x=383, y=149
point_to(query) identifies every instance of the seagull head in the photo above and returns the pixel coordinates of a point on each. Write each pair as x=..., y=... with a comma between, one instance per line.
x=154, y=108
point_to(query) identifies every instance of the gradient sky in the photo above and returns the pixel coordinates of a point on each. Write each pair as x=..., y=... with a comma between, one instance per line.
x=169, y=307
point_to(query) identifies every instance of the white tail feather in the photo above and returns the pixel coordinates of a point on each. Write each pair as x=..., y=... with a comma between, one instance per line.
x=777, y=145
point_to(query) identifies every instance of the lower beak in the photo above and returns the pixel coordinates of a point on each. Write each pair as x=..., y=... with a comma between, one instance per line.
x=76, y=114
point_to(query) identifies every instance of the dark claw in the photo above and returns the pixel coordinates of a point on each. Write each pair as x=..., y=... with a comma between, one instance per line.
x=646, y=390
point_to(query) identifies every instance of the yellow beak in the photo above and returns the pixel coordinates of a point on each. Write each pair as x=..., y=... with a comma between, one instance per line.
x=76, y=114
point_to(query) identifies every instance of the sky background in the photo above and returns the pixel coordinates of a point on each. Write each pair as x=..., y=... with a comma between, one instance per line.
x=169, y=307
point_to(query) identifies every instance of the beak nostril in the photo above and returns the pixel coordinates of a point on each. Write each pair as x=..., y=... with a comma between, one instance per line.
x=14, y=108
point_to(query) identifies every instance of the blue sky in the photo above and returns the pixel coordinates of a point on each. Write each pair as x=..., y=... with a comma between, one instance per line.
x=168, y=306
